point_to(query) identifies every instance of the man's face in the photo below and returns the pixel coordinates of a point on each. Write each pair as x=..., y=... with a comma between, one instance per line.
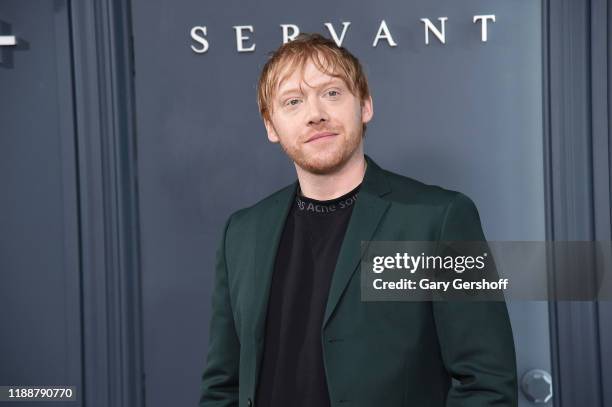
x=317, y=120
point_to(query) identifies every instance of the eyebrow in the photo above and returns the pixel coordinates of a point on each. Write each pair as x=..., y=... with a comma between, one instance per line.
x=333, y=80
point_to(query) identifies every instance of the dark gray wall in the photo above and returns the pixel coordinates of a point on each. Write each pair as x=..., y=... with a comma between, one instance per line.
x=40, y=343
x=106, y=196
x=68, y=248
x=466, y=115
x=39, y=288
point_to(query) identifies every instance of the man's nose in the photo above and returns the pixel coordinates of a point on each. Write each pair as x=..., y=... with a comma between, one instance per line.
x=316, y=111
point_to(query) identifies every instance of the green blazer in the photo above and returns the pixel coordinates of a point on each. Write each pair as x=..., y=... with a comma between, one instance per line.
x=383, y=354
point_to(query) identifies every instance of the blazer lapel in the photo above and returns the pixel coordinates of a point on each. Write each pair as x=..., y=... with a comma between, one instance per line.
x=367, y=214
x=269, y=230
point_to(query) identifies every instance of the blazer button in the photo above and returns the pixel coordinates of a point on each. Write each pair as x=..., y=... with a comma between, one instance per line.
x=249, y=403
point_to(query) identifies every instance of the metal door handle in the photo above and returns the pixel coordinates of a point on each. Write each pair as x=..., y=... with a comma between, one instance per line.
x=536, y=385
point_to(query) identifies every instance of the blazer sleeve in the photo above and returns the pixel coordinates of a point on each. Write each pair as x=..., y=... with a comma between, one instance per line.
x=219, y=387
x=475, y=337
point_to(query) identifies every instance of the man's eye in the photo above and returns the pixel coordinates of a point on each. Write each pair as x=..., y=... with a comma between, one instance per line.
x=290, y=102
x=333, y=93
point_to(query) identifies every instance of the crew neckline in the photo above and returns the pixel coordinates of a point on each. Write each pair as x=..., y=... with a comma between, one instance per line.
x=304, y=204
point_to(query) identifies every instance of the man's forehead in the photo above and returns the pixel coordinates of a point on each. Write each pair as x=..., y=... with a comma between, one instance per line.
x=292, y=77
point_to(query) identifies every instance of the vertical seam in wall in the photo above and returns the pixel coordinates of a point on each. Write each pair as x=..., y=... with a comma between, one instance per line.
x=75, y=118
x=592, y=137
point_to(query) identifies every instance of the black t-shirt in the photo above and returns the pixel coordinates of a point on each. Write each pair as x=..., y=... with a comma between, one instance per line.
x=292, y=371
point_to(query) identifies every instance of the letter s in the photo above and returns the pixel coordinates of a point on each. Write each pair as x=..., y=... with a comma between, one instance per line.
x=198, y=33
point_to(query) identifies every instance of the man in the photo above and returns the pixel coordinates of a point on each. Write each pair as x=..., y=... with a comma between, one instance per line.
x=288, y=326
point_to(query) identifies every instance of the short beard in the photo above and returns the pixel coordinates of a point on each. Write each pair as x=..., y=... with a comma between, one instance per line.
x=323, y=167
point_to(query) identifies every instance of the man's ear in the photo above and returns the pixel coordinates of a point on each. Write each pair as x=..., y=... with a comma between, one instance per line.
x=367, y=109
x=272, y=136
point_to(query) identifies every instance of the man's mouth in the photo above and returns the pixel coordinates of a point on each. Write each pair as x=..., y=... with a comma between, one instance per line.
x=323, y=134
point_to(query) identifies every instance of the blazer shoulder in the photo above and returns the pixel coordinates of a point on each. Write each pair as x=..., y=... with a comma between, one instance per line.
x=457, y=213
x=407, y=190
x=248, y=215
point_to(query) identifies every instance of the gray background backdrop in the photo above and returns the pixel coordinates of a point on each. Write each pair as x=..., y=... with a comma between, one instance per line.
x=122, y=152
x=465, y=115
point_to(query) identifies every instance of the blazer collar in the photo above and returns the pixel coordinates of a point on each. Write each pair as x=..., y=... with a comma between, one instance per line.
x=367, y=214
